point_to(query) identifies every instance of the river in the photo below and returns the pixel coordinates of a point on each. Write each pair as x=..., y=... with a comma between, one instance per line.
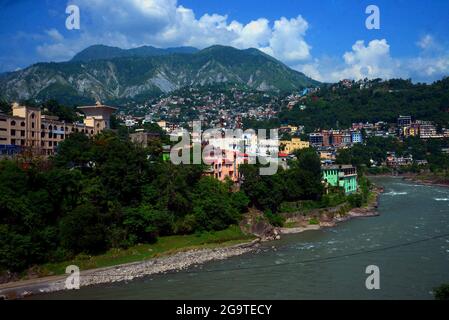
x=324, y=264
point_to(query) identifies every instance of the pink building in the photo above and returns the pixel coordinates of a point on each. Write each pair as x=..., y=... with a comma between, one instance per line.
x=225, y=165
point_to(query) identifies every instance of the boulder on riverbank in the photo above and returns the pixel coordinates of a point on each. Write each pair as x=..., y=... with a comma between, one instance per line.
x=254, y=222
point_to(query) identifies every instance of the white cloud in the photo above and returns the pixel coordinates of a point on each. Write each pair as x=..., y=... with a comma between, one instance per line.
x=371, y=61
x=162, y=23
x=374, y=60
x=287, y=42
x=55, y=35
x=426, y=42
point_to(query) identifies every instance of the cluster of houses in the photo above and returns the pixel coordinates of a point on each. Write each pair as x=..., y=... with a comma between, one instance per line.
x=419, y=128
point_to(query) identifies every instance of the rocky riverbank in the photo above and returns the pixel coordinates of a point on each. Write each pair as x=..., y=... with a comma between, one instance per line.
x=330, y=217
x=254, y=223
x=126, y=272
x=428, y=182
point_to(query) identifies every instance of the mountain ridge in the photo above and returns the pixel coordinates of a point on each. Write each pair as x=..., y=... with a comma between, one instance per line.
x=103, y=52
x=136, y=78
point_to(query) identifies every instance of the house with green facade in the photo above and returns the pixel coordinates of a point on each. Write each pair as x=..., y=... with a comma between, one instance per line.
x=344, y=176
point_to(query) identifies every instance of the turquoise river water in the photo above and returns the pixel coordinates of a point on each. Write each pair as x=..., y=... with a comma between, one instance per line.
x=409, y=242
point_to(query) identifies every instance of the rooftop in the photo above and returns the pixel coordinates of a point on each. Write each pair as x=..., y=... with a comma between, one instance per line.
x=97, y=105
x=337, y=167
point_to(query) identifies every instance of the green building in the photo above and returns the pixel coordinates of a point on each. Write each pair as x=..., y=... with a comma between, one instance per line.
x=344, y=176
x=166, y=153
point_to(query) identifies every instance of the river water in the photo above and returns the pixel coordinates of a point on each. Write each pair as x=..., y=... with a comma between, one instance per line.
x=324, y=264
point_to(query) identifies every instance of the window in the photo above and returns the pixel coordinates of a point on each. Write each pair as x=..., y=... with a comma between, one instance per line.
x=22, y=133
x=22, y=142
x=22, y=124
x=42, y=126
x=42, y=134
x=32, y=125
x=62, y=128
x=2, y=139
x=2, y=129
x=32, y=134
x=50, y=143
x=50, y=127
x=32, y=116
x=13, y=123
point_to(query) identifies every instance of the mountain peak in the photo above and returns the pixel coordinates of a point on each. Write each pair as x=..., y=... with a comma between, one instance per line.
x=117, y=75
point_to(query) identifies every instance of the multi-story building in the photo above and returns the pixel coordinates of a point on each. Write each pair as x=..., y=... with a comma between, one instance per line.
x=294, y=144
x=336, y=138
x=404, y=121
x=226, y=165
x=356, y=137
x=27, y=129
x=427, y=130
x=327, y=138
x=346, y=138
x=316, y=139
x=412, y=130
x=344, y=176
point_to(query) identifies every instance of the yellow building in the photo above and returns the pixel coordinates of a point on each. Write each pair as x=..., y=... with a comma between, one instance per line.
x=294, y=144
x=28, y=129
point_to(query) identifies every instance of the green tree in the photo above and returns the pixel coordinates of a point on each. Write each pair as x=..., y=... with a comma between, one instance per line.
x=442, y=292
x=83, y=230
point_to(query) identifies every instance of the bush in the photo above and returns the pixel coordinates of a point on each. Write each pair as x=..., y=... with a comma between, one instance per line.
x=274, y=219
x=355, y=200
x=442, y=292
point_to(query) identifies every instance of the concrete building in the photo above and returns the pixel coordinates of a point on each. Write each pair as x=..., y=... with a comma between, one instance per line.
x=226, y=165
x=294, y=144
x=344, y=176
x=404, y=121
x=316, y=139
x=27, y=129
x=98, y=116
x=356, y=137
x=143, y=138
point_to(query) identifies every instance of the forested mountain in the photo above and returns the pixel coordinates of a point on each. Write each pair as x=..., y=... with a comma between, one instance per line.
x=139, y=77
x=101, y=52
x=339, y=105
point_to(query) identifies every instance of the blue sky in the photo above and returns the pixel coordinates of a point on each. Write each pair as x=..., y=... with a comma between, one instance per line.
x=325, y=39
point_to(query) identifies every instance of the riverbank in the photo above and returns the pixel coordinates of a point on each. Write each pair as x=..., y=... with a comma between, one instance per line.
x=126, y=272
x=428, y=179
x=152, y=263
x=330, y=217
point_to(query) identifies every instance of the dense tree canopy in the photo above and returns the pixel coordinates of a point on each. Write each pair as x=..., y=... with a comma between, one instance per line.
x=338, y=106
